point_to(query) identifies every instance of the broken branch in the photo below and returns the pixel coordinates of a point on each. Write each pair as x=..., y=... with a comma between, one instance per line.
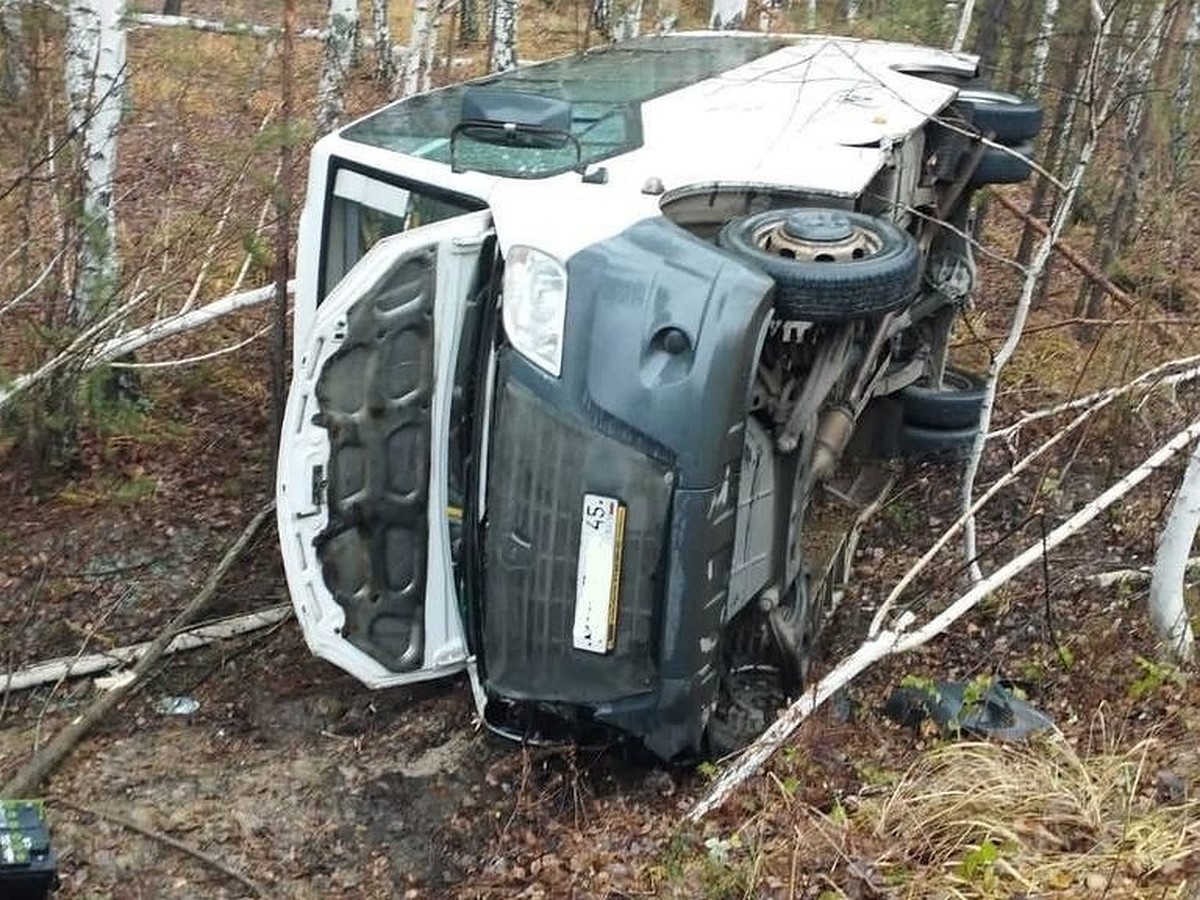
x=190, y=639
x=30, y=776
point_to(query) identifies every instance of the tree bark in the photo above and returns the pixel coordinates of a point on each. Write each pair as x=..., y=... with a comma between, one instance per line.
x=1168, y=613
x=503, y=55
x=1033, y=275
x=630, y=25
x=95, y=79
x=1058, y=139
x=987, y=38
x=385, y=59
x=14, y=78
x=431, y=46
x=1183, y=90
x=417, y=38
x=339, y=53
x=1041, y=48
x=964, y=24
x=468, y=21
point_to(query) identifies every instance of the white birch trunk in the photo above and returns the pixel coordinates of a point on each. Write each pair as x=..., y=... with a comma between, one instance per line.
x=1041, y=48
x=385, y=59
x=1151, y=45
x=727, y=13
x=1033, y=275
x=339, y=54
x=964, y=25
x=431, y=46
x=1168, y=613
x=503, y=54
x=416, y=43
x=812, y=14
x=602, y=16
x=95, y=80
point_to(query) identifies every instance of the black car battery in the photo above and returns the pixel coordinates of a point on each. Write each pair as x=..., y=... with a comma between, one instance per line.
x=27, y=864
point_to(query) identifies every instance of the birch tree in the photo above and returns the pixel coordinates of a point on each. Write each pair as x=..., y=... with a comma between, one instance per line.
x=468, y=21
x=964, y=24
x=725, y=13
x=340, y=39
x=630, y=25
x=903, y=634
x=417, y=39
x=1168, y=613
x=1041, y=46
x=503, y=54
x=385, y=58
x=1032, y=276
x=95, y=81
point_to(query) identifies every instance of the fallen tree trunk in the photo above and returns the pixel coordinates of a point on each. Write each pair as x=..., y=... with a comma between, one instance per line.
x=52, y=670
x=106, y=351
x=1084, y=267
x=45, y=760
x=215, y=26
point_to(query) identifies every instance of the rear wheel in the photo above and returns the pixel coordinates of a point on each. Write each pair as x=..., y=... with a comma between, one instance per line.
x=919, y=442
x=957, y=404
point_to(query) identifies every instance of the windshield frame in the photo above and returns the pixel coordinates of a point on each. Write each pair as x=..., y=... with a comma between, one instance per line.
x=335, y=164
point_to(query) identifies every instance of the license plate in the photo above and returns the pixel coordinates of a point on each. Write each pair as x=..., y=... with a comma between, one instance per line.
x=598, y=577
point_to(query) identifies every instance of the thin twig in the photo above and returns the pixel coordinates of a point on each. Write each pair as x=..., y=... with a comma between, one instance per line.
x=194, y=852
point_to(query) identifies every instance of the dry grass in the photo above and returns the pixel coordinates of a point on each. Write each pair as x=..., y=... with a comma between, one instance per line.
x=995, y=820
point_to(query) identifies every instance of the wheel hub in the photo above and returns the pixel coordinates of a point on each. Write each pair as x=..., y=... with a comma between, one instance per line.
x=817, y=235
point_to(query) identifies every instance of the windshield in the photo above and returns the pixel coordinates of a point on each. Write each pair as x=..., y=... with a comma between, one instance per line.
x=605, y=88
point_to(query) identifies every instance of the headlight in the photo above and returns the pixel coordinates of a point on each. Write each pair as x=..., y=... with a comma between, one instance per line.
x=535, y=306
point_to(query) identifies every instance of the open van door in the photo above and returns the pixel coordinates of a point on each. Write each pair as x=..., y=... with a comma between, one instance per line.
x=362, y=492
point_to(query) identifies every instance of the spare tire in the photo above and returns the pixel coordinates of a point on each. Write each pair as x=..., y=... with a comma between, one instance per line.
x=828, y=264
x=957, y=404
x=1008, y=117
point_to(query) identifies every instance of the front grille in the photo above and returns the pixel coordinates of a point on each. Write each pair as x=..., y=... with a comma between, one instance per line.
x=541, y=466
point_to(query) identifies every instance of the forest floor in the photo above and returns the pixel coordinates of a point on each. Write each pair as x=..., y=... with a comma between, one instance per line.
x=309, y=785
